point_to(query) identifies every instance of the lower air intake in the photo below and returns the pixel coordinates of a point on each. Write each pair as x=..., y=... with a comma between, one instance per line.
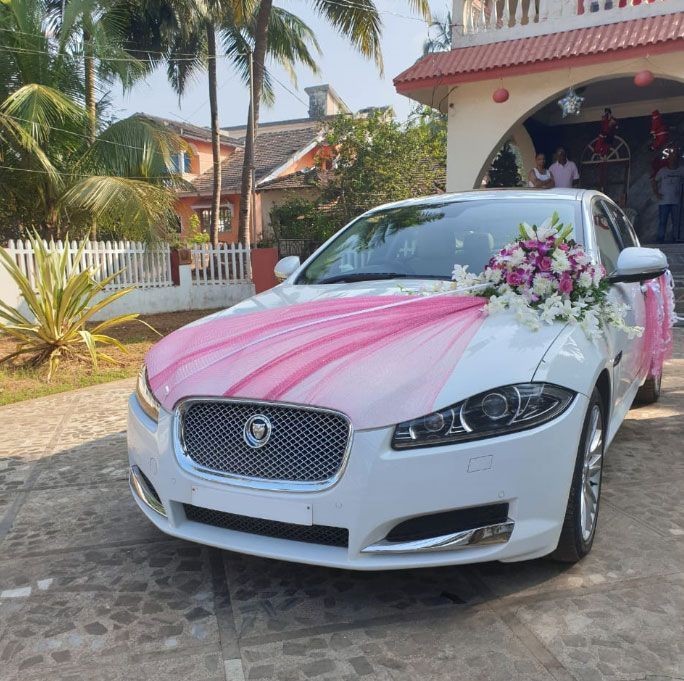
x=311, y=534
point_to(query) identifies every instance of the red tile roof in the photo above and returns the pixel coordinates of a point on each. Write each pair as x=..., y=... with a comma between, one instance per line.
x=479, y=61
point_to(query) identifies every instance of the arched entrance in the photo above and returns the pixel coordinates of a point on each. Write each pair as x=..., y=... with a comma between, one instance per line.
x=609, y=174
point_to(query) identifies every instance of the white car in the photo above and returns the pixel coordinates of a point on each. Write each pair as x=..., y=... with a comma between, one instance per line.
x=322, y=422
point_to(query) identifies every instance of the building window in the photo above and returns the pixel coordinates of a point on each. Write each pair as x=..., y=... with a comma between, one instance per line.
x=181, y=162
x=225, y=219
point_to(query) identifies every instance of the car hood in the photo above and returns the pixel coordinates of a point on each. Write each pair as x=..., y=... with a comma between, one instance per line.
x=373, y=351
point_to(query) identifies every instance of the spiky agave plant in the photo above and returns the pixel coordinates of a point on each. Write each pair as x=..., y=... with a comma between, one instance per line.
x=60, y=305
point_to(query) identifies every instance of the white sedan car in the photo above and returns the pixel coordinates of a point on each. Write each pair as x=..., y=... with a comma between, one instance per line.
x=339, y=420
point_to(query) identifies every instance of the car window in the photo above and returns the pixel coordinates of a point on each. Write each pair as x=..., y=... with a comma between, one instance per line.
x=608, y=245
x=427, y=240
x=624, y=228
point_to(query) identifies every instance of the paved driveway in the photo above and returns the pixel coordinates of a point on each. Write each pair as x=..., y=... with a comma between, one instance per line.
x=90, y=591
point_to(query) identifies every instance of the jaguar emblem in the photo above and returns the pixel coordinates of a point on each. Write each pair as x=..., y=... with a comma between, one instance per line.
x=257, y=431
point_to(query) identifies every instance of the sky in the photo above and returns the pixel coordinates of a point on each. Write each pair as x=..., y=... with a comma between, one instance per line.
x=355, y=79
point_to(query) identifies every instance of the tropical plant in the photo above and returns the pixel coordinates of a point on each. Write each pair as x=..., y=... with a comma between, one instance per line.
x=55, y=175
x=190, y=35
x=439, y=34
x=62, y=302
x=358, y=22
x=379, y=159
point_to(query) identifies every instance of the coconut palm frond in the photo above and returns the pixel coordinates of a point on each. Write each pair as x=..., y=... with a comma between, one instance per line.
x=358, y=22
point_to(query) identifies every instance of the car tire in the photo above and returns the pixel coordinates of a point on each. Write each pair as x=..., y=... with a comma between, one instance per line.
x=649, y=391
x=581, y=515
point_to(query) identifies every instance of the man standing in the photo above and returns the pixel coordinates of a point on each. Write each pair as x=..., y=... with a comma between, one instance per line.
x=564, y=172
x=667, y=187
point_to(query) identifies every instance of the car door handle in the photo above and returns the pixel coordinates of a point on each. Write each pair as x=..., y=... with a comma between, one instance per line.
x=618, y=359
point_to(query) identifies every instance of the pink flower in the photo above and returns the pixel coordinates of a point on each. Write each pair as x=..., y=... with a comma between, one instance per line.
x=565, y=284
x=544, y=263
x=515, y=278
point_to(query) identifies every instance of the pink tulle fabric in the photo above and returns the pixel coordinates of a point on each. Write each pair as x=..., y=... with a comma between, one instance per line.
x=379, y=359
x=657, y=340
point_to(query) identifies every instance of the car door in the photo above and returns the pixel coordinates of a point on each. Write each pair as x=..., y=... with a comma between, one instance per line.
x=611, y=235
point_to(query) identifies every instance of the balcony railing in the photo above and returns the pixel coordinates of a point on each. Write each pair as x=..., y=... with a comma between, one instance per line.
x=486, y=21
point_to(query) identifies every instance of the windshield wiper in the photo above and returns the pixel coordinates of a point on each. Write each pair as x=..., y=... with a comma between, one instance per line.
x=364, y=276
x=370, y=276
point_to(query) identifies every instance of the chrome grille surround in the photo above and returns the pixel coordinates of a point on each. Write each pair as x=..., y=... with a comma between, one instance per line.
x=307, y=451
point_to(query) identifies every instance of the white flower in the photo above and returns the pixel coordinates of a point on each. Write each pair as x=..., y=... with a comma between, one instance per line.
x=517, y=257
x=585, y=280
x=493, y=275
x=582, y=258
x=542, y=286
x=529, y=231
x=560, y=262
x=464, y=278
x=546, y=229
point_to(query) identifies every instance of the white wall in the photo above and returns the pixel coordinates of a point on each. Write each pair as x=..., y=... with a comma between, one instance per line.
x=478, y=126
x=154, y=300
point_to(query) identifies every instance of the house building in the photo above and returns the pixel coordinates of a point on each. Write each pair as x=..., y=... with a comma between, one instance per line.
x=285, y=153
x=510, y=64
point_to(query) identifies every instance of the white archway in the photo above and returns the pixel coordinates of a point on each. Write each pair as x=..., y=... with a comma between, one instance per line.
x=478, y=126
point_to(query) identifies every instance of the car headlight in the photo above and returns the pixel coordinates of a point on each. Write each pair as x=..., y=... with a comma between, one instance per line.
x=149, y=403
x=508, y=409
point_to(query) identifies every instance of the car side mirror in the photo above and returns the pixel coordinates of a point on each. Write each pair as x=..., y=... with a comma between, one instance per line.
x=638, y=264
x=286, y=266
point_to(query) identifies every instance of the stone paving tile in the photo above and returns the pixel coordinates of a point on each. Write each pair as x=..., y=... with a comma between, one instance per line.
x=95, y=606
x=623, y=549
x=631, y=633
x=97, y=461
x=185, y=666
x=656, y=505
x=273, y=596
x=50, y=520
x=463, y=644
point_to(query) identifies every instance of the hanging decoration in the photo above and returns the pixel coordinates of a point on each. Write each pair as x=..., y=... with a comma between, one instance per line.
x=501, y=95
x=606, y=138
x=660, y=135
x=660, y=142
x=644, y=78
x=571, y=104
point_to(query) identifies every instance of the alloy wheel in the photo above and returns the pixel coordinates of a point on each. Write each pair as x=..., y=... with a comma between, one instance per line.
x=591, y=473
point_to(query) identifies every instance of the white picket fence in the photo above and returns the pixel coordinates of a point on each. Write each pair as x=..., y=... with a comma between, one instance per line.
x=222, y=264
x=134, y=263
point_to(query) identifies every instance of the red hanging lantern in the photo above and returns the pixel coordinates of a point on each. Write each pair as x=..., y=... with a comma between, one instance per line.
x=501, y=95
x=644, y=78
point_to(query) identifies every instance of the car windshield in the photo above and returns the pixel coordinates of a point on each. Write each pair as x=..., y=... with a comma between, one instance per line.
x=426, y=241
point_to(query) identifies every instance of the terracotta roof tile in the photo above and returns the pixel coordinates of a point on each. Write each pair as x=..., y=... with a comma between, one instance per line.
x=272, y=150
x=189, y=130
x=450, y=66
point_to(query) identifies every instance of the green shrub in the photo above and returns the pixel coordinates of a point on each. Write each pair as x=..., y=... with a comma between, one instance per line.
x=60, y=306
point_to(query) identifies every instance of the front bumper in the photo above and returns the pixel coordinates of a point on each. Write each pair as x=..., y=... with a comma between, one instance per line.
x=530, y=471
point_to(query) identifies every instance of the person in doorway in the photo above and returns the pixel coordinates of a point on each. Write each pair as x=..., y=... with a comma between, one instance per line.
x=539, y=177
x=563, y=171
x=667, y=187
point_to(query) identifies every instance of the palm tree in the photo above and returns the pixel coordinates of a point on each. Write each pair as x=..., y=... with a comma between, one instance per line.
x=359, y=22
x=190, y=35
x=439, y=39
x=54, y=172
x=94, y=31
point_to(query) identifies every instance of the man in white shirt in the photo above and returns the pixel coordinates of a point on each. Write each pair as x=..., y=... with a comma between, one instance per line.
x=667, y=186
x=564, y=172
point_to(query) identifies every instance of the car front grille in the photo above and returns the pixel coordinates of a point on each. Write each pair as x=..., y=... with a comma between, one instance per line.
x=305, y=445
x=311, y=534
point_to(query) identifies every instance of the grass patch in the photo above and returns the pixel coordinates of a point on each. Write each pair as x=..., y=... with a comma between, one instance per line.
x=18, y=383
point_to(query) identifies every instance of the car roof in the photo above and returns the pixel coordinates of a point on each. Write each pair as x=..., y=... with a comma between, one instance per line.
x=484, y=194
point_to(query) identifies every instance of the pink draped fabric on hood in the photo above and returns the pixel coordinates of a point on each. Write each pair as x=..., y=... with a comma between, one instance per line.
x=378, y=359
